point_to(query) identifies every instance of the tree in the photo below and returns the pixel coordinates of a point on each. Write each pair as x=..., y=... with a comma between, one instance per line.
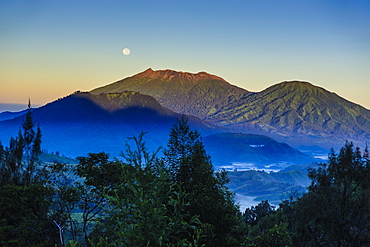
x=255, y=213
x=24, y=216
x=142, y=207
x=31, y=145
x=277, y=236
x=24, y=199
x=179, y=149
x=267, y=226
x=2, y=154
x=22, y=156
x=64, y=200
x=12, y=167
x=208, y=196
x=336, y=210
x=100, y=175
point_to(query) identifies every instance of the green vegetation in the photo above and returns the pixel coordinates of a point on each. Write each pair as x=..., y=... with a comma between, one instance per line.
x=208, y=196
x=20, y=159
x=178, y=200
x=297, y=110
x=294, y=112
x=337, y=208
x=334, y=212
x=141, y=201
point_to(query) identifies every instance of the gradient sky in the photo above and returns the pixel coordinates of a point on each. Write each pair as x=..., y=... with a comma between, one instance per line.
x=51, y=48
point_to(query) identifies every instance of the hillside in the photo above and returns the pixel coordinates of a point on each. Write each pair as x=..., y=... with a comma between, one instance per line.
x=10, y=115
x=250, y=150
x=198, y=94
x=83, y=122
x=274, y=186
x=298, y=112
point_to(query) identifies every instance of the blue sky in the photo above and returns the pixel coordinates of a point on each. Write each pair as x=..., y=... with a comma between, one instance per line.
x=50, y=49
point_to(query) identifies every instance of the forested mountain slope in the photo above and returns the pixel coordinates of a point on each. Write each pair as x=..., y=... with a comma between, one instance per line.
x=298, y=111
x=295, y=112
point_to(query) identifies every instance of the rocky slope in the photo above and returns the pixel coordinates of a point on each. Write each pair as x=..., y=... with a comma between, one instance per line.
x=198, y=94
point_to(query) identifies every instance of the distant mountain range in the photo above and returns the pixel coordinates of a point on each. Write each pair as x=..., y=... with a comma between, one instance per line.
x=10, y=115
x=12, y=107
x=297, y=113
x=242, y=131
x=85, y=122
x=234, y=122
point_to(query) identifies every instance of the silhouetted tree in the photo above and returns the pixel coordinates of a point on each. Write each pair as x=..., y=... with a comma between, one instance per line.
x=133, y=203
x=24, y=204
x=336, y=210
x=21, y=157
x=208, y=196
x=31, y=145
x=255, y=213
x=100, y=175
x=267, y=226
x=11, y=169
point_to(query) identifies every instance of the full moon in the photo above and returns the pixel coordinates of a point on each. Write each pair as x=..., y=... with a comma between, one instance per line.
x=126, y=51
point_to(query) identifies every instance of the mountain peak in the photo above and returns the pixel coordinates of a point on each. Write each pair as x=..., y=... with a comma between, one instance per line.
x=183, y=92
x=297, y=83
x=172, y=74
x=298, y=88
x=293, y=84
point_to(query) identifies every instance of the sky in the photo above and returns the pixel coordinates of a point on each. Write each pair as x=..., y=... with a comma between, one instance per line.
x=52, y=48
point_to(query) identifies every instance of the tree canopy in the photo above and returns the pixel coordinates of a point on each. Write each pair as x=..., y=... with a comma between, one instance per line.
x=140, y=199
x=208, y=196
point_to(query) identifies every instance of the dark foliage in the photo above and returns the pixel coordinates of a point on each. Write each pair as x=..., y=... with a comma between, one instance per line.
x=179, y=200
x=20, y=159
x=208, y=197
x=24, y=200
x=336, y=210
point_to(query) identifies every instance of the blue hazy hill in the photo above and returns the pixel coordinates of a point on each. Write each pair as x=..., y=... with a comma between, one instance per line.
x=82, y=123
x=85, y=122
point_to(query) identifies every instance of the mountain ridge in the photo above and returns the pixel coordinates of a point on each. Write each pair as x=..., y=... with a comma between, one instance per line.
x=180, y=93
x=172, y=74
x=298, y=109
x=83, y=122
x=292, y=111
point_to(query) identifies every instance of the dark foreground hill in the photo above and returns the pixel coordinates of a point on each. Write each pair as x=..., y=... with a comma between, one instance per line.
x=82, y=122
